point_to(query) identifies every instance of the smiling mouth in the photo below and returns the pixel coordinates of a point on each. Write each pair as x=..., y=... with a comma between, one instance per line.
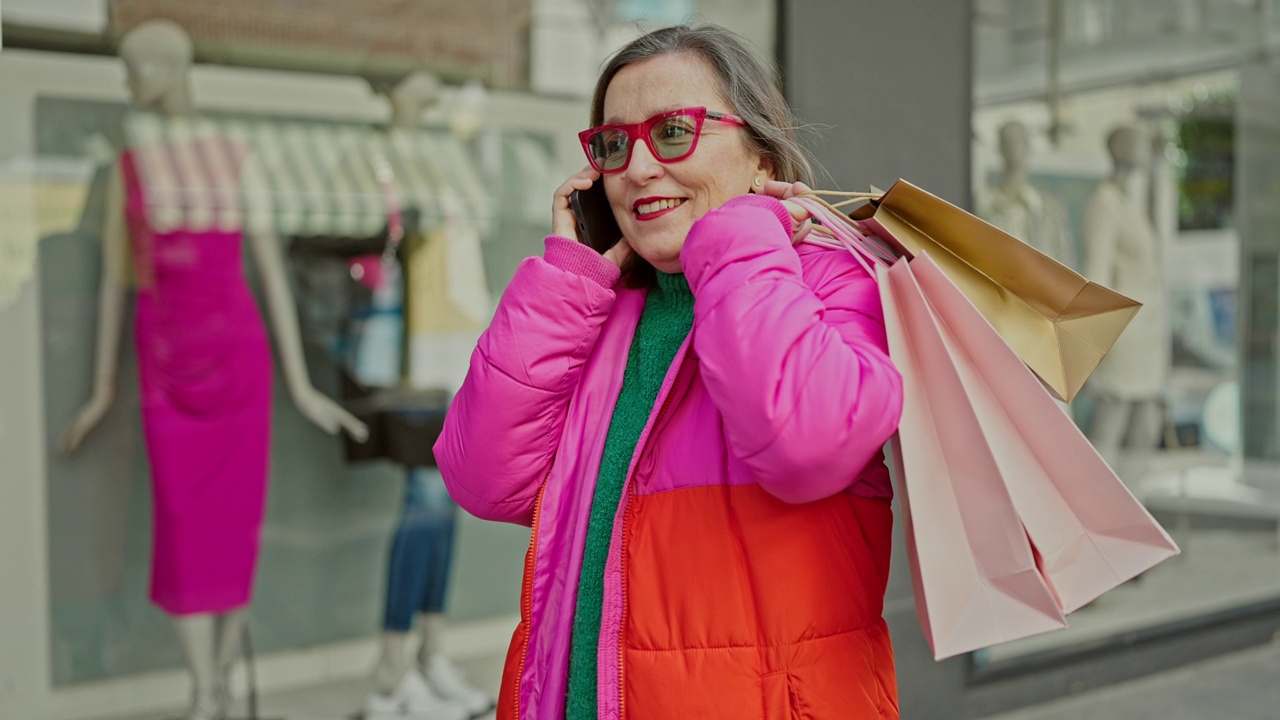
x=657, y=206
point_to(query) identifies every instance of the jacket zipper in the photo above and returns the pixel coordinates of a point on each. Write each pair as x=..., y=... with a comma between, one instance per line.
x=622, y=558
x=526, y=600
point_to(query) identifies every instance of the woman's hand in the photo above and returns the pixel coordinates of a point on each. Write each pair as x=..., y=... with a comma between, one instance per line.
x=801, y=222
x=563, y=222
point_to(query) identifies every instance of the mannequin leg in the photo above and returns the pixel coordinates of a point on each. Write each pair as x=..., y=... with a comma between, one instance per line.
x=197, y=635
x=1146, y=427
x=440, y=516
x=435, y=666
x=406, y=580
x=230, y=633
x=1110, y=425
x=392, y=661
x=400, y=688
x=430, y=627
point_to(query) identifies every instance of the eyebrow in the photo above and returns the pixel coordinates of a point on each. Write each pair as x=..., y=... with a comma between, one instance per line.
x=613, y=120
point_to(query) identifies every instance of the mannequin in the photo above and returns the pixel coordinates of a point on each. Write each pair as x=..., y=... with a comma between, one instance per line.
x=206, y=394
x=1020, y=209
x=421, y=552
x=1121, y=251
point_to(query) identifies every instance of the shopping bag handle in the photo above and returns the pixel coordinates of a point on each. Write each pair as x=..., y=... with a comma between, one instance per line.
x=837, y=230
x=852, y=198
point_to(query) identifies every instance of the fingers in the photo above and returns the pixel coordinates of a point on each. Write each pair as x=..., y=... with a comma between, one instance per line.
x=70, y=441
x=357, y=430
x=801, y=232
x=799, y=214
x=354, y=426
x=784, y=190
x=562, y=220
x=801, y=220
x=580, y=180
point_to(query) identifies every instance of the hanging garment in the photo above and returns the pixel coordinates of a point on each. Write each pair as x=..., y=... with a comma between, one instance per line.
x=360, y=325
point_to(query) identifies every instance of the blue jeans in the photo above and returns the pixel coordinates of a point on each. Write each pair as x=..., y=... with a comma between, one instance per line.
x=421, y=552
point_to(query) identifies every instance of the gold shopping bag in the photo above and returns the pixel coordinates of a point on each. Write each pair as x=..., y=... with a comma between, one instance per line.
x=1057, y=321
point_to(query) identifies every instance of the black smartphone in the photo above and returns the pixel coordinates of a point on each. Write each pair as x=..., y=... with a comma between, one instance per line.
x=597, y=226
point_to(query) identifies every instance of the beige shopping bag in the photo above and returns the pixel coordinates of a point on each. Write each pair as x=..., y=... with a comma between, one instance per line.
x=1057, y=321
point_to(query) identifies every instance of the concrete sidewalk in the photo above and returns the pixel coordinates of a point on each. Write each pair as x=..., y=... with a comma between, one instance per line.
x=1240, y=686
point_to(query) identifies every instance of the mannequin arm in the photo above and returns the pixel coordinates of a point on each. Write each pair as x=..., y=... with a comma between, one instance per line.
x=111, y=305
x=1099, y=235
x=313, y=404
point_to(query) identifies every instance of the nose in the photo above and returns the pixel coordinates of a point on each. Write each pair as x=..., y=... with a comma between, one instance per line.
x=643, y=167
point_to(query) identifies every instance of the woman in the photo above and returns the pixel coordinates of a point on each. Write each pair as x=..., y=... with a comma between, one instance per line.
x=691, y=422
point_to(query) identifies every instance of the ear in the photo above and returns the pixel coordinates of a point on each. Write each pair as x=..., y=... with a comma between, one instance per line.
x=765, y=167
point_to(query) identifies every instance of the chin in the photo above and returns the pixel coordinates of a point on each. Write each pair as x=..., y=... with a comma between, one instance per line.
x=671, y=267
x=667, y=262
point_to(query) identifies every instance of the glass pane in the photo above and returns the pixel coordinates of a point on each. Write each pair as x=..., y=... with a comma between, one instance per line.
x=1147, y=163
x=321, y=567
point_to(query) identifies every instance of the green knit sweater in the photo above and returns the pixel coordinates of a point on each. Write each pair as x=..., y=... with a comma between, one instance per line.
x=664, y=324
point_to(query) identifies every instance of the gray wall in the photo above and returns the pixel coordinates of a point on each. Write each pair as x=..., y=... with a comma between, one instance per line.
x=1257, y=157
x=888, y=86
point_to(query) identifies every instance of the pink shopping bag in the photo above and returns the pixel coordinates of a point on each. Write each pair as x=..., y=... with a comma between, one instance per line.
x=1090, y=532
x=975, y=576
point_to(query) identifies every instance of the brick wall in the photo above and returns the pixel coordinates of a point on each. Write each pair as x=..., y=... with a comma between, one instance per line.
x=485, y=39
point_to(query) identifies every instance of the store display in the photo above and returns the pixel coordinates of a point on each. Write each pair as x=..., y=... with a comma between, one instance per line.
x=1122, y=250
x=443, y=302
x=204, y=361
x=1020, y=208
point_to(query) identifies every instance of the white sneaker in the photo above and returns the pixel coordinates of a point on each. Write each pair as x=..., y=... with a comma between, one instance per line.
x=449, y=684
x=208, y=708
x=413, y=699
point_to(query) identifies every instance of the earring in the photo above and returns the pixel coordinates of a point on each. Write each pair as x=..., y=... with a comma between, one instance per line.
x=759, y=182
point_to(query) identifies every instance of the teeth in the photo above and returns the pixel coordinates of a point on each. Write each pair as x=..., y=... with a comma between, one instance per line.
x=655, y=206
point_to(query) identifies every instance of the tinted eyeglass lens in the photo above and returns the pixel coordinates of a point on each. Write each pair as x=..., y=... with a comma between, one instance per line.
x=673, y=137
x=609, y=148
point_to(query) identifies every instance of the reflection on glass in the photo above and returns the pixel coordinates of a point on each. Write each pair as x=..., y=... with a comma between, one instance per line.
x=1186, y=406
x=328, y=523
x=1122, y=252
x=1020, y=208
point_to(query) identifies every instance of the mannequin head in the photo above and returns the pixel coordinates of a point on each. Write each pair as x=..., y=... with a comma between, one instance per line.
x=157, y=55
x=1015, y=146
x=467, y=114
x=411, y=97
x=1129, y=149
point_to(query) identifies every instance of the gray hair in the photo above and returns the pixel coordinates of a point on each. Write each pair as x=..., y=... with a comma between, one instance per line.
x=747, y=82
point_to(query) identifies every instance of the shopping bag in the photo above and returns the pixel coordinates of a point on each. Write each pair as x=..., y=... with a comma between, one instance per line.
x=975, y=575
x=1088, y=530
x=1057, y=321
x=977, y=421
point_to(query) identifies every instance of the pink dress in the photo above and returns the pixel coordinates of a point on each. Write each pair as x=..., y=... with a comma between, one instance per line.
x=205, y=371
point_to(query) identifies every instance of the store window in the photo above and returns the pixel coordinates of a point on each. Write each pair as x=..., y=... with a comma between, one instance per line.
x=1138, y=142
x=332, y=501
x=398, y=160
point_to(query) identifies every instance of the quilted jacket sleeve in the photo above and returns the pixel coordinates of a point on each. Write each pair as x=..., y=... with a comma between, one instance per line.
x=504, y=425
x=792, y=348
